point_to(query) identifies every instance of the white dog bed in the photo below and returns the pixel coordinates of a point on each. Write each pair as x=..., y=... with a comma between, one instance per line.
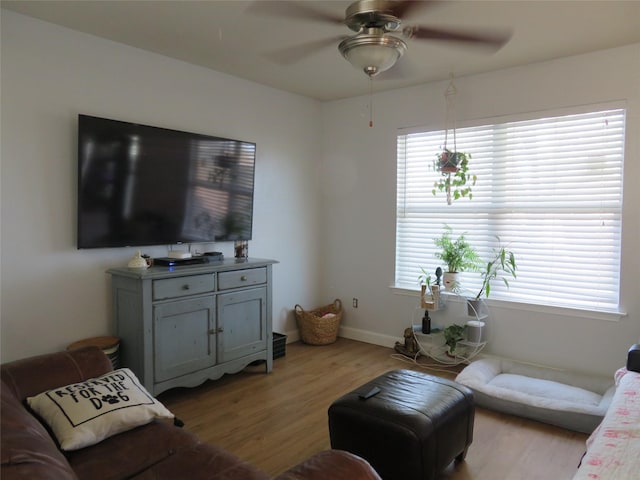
x=570, y=400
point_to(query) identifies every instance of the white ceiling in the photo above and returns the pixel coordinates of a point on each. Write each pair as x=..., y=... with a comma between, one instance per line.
x=227, y=37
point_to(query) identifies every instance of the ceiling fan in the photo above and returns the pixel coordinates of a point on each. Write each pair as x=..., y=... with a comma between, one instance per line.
x=378, y=24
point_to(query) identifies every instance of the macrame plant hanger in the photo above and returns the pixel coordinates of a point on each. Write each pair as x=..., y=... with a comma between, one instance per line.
x=450, y=120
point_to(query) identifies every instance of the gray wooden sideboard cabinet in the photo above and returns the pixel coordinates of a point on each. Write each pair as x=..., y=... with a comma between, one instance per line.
x=179, y=326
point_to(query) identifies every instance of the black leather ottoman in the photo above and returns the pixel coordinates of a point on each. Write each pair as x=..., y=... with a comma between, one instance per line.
x=416, y=426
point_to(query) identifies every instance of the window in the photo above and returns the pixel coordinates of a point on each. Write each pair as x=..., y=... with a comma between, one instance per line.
x=549, y=187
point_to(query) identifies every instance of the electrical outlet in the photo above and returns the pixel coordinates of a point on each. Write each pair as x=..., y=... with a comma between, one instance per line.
x=355, y=303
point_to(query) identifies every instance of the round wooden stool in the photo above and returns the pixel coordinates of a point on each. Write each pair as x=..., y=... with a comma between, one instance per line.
x=109, y=345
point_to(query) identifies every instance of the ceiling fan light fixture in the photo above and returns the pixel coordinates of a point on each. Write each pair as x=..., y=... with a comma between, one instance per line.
x=372, y=54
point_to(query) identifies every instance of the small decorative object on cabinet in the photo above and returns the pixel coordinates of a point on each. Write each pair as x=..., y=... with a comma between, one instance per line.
x=241, y=249
x=138, y=261
x=180, y=326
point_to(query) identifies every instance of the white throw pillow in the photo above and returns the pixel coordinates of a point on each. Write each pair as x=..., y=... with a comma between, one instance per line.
x=83, y=414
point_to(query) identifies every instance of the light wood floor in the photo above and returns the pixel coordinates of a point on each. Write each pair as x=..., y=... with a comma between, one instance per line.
x=275, y=421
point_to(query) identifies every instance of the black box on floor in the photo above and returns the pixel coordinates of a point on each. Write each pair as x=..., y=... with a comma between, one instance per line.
x=279, y=345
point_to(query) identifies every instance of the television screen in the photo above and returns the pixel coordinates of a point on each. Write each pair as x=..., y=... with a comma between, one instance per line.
x=141, y=185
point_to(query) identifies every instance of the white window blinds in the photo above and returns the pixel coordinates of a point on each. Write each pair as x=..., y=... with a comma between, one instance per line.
x=550, y=188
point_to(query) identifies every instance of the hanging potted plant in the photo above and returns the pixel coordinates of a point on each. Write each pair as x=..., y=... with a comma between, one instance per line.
x=455, y=179
x=458, y=255
x=448, y=161
x=452, y=165
x=503, y=262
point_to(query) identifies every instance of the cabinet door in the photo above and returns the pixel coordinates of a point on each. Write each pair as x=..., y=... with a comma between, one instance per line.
x=242, y=316
x=183, y=337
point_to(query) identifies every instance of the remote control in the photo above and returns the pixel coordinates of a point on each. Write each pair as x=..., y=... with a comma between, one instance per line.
x=369, y=394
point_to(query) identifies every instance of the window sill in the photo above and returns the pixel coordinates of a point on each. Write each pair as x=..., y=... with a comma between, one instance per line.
x=607, y=315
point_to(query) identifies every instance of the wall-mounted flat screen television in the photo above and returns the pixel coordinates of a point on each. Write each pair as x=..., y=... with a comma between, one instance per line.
x=140, y=185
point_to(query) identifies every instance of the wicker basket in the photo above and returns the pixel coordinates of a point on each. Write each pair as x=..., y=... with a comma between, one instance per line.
x=316, y=328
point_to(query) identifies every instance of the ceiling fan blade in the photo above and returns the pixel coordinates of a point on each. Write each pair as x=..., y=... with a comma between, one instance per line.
x=291, y=55
x=401, y=8
x=293, y=10
x=494, y=40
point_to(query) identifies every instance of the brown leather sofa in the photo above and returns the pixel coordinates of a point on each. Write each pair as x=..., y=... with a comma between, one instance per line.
x=158, y=450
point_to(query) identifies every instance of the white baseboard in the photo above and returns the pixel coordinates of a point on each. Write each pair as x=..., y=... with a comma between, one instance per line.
x=368, y=337
x=354, y=334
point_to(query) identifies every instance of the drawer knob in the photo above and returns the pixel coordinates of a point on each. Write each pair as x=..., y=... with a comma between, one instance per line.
x=185, y=287
x=243, y=278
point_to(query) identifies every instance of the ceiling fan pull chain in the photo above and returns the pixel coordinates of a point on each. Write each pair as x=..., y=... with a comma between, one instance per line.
x=370, y=102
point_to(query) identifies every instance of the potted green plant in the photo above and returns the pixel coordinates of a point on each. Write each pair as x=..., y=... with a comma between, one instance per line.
x=503, y=264
x=424, y=279
x=455, y=179
x=452, y=335
x=429, y=293
x=457, y=254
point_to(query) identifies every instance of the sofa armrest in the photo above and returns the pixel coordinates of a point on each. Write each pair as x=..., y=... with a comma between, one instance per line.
x=34, y=375
x=633, y=358
x=27, y=450
x=333, y=464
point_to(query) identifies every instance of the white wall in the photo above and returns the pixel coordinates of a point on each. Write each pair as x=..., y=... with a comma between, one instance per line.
x=360, y=204
x=337, y=241
x=53, y=294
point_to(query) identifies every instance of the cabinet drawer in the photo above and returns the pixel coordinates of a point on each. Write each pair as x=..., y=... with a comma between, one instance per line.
x=242, y=278
x=183, y=286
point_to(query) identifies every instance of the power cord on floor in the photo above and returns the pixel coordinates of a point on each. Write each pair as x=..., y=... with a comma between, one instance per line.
x=436, y=367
